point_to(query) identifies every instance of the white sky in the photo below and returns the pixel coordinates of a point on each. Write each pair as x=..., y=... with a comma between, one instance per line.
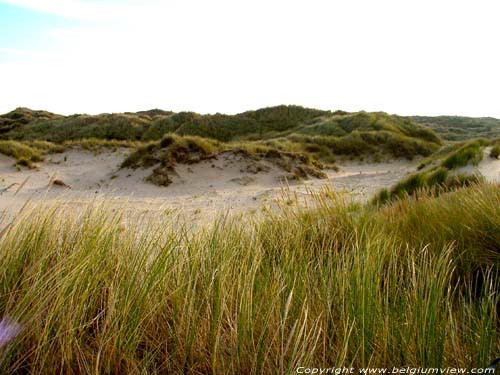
x=406, y=57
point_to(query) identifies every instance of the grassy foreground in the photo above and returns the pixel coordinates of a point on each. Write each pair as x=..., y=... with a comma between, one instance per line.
x=414, y=283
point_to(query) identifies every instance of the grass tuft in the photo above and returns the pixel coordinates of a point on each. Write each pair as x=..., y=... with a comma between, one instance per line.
x=24, y=154
x=471, y=152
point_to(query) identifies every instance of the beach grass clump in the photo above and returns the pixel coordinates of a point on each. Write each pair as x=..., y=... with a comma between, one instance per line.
x=22, y=153
x=470, y=153
x=437, y=173
x=333, y=284
x=174, y=149
x=495, y=152
x=434, y=181
x=46, y=147
x=167, y=153
x=171, y=149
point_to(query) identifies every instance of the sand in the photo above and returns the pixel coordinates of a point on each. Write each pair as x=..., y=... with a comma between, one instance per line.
x=199, y=191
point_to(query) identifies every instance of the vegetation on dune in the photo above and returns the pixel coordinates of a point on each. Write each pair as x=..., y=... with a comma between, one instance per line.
x=321, y=134
x=411, y=284
x=458, y=128
x=471, y=152
x=153, y=125
x=23, y=154
x=76, y=127
x=22, y=116
x=437, y=173
x=300, y=140
x=166, y=153
x=173, y=149
x=434, y=181
x=96, y=144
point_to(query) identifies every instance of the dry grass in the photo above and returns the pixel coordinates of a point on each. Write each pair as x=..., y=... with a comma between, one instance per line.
x=23, y=154
x=336, y=284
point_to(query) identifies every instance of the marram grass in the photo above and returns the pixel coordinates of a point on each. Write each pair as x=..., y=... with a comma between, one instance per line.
x=333, y=284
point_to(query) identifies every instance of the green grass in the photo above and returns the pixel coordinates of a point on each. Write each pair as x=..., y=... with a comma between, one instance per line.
x=458, y=128
x=471, y=152
x=435, y=181
x=436, y=173
x=22, y=116
x=322, y=134
x=337, y=284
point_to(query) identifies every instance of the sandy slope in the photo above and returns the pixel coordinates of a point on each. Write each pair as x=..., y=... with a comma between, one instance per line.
x=199, y=190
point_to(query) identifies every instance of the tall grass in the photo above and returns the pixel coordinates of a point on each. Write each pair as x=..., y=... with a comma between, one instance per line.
x=335, y=284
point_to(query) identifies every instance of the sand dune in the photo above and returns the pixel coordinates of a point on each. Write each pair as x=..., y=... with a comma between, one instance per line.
x=226, y=183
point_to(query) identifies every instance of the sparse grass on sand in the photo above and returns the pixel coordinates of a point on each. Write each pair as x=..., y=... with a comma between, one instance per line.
x=336, y=284
x=28, y=153
x=173, y=149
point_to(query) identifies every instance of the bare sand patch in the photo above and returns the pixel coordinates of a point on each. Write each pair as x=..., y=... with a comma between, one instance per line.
x=228, y=183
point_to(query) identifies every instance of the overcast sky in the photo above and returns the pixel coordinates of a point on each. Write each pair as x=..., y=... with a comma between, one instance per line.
x=406, y=57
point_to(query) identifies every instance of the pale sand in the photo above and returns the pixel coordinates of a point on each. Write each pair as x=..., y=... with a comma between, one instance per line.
x=198, y=191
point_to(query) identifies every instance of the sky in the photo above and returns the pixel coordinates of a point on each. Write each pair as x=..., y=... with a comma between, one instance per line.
x=427, y=57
